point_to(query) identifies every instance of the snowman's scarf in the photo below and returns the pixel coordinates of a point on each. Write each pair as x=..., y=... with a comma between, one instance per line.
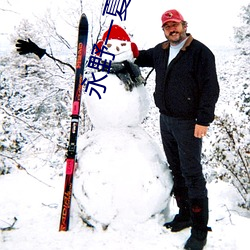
x=129, y=73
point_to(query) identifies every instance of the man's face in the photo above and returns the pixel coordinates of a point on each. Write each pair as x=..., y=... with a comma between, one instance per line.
x=174, y=32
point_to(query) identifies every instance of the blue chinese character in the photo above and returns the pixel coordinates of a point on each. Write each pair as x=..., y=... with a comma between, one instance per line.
x=111, y=8
x=95, y=84
x=110, y=26
x=96, y=62
x=101, y=51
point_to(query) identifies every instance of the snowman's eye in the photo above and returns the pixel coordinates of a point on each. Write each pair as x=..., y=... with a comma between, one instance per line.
x=123, y=44
x=109, y=45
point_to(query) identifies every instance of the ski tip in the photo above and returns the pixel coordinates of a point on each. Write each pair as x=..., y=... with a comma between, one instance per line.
x=84, y=16
x=83, y=20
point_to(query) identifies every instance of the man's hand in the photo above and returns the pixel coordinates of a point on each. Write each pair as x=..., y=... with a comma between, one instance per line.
x=24, y=47
x=200, y=131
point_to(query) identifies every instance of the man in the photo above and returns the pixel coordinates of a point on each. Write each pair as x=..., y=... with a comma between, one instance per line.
x=186, y=93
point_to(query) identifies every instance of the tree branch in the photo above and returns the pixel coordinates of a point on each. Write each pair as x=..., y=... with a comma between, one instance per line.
x=19, y=166
x=57, y=60
x=10, y=227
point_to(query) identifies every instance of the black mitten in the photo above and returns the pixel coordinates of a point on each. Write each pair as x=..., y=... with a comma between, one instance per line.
x=135, y=73
x=122, y=73
x=24, y=47
x=129, y=73
x=126, y=79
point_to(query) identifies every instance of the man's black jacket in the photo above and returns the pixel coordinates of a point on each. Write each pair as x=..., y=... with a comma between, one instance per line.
x=188, y=87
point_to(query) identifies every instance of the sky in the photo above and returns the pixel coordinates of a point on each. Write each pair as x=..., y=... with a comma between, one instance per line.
x=210, y=22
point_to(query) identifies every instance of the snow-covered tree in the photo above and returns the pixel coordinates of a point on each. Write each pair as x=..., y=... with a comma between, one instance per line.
x=36, y=95
x=35, y=103
x=242, y=33
x=230, y=154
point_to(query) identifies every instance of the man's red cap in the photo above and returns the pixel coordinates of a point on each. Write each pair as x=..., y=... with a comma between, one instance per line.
x=171, y=16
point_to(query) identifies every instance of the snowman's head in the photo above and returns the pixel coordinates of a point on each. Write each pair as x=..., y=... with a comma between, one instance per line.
x=119, y=44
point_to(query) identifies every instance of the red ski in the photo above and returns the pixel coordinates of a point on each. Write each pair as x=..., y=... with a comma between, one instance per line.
x=71, y=153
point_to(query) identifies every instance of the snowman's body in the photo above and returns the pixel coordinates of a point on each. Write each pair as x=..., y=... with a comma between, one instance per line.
x=122, y=177
x=117, y=107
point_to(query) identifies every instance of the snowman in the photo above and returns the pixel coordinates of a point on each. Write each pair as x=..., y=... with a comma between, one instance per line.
x=122, y=178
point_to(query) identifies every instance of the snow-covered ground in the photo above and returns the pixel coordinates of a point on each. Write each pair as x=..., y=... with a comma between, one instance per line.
x=32, y=201
x=37, y=208
x=31, y=198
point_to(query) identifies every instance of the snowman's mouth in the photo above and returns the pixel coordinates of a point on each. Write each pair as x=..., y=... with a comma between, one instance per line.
x=117, y=54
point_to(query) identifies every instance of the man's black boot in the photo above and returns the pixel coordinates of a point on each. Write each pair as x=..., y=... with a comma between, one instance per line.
x=197, y=240
x=199, y=215
x=181, y=220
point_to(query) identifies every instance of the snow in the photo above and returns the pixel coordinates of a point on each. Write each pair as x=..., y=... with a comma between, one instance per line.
x=125, y=108
x=34, y=198
x=124, y=181
x=121, y=180
x=122, y=177
x=37, y=208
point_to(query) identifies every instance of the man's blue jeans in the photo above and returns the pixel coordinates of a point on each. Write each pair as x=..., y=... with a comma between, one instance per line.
x=183, y=152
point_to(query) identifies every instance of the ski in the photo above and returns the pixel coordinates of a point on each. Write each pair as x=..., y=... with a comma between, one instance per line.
x=71, y=160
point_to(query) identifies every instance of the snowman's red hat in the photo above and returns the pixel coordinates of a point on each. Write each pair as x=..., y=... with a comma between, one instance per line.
x=119, y=33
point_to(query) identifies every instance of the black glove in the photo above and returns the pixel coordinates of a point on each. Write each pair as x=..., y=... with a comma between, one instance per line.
x=24, y=47
x=129, y=73
x=135, y=73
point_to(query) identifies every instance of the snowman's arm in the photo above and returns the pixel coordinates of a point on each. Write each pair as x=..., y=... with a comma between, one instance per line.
x=25, y=47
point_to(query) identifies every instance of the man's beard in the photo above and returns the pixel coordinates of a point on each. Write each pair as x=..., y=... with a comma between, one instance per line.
x=182, y=36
